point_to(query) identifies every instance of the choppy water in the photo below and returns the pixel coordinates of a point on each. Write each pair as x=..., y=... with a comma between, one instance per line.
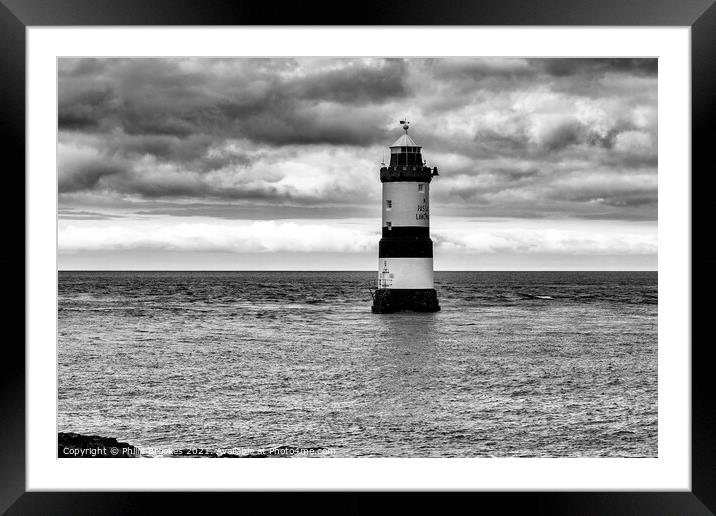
x=516, y=363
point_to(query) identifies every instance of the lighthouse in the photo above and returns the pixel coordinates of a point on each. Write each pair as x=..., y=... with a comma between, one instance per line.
x=405, y=251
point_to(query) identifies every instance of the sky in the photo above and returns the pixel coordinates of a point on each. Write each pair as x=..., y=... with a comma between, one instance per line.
x=273, y=164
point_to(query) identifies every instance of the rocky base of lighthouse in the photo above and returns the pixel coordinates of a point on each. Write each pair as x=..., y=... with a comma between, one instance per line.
x=390, y=300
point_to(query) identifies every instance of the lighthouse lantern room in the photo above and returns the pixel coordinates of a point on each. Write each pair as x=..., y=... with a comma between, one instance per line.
x=405, y=251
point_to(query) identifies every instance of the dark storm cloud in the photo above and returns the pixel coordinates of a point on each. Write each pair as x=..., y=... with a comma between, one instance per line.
x=87, y=176
x=144, y=97
x=297, y=125
x=178, y=188
x=85, y=110
x=504, y=132
x=470, y=69
x=516, y=69
x=595, y=67
x=356, y=84
x=163, y=147
x=515, y=174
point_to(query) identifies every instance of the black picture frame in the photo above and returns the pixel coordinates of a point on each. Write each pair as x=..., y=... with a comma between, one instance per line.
x=699, y=15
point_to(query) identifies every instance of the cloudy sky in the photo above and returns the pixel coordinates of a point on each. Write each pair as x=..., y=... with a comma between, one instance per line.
x=273, y=163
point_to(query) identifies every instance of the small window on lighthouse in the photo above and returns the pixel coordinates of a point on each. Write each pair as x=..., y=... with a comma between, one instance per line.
x=388, y=204
x=421, y=187
x=389, y=225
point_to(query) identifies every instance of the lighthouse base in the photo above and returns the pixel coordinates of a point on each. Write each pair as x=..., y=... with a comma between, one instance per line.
x=389, y=300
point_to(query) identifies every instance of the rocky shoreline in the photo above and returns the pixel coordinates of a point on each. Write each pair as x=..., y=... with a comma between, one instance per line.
x=74, y=445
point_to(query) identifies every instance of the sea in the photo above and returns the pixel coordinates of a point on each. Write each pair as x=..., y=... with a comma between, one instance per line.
x=516, y=364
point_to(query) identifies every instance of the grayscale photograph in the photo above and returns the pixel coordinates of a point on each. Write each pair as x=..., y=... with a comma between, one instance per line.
x=331, y=257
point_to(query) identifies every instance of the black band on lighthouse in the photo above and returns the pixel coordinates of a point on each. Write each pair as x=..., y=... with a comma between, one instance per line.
x=405, y=248
x=406, y=232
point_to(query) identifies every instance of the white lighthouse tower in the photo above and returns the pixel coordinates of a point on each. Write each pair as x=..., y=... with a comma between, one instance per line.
x=405, y=252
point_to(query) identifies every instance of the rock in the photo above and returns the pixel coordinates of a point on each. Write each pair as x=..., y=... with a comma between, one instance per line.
x=72, y=445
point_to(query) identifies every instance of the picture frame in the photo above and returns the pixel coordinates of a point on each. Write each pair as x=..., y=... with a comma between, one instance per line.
x=700, y=16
